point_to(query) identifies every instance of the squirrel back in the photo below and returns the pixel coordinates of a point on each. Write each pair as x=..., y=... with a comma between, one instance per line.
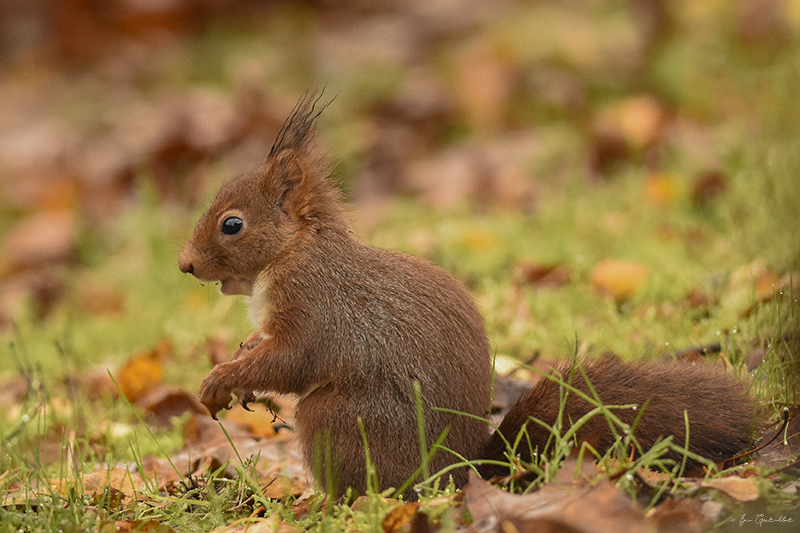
x=349, y=329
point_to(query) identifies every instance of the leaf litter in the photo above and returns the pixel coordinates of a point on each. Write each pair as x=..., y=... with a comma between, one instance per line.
x=65, y=177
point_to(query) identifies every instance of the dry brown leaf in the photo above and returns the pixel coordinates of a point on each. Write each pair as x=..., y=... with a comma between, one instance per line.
x=619, y=279
x=98, y=385
x=698, y=299
x=608, y=148
x=143, y=373
x=485, y=82
x=707, y=187
x=572, y=472
x=122, y=480
x=680, y=516
x=400, y=517
x=280, y=487
x=599, y=508
x=741, y=489
x=47, y=237
x=217, y=351
x=784, y=451
x=540, y=275
x=750, y=286
x=101, y=300
x=755, y=358
x=269, y=524
x=165, y=403
x=208, y=447
x=203, y=431
x=139, y=526
x=122, y=483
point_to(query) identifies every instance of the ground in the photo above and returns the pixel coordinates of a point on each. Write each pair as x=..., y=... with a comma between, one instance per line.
x=602, y=175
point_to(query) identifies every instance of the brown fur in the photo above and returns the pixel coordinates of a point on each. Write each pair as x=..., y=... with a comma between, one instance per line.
x=349, y=328
x=720, y=412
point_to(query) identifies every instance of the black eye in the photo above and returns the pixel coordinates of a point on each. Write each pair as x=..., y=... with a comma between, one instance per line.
x=232, y=225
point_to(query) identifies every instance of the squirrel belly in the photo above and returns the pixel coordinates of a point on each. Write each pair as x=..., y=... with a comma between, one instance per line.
x=351, y=329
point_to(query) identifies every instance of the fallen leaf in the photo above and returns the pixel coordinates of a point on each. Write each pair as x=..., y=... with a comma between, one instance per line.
x=400, y=517
x=552, y=276
x=507, y=391
x=98, y=299
x=741, y=489
x=258, y=420
x=619, y=279
x=750, y=286
x=597, y=508
x=46, y=237
x=707, y=187
x=270, y=524
x=641, y=119
x=661, y=190
x=697, y=300
x=165, y=403
x=784, y=451
x=217, y=351
x=126, y=483
x=680, y=516
x=755, y=358
x=574, y=473
x=143, y=373
x=280, y=487
x=139, y=526
x=203, y=431
x=485, y=81
x=607, y=150
x=98, y=385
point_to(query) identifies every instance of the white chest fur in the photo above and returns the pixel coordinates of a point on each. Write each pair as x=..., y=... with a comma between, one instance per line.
x=260, y=303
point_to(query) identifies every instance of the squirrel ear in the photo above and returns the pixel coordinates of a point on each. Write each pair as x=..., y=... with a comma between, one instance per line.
x=287, y=176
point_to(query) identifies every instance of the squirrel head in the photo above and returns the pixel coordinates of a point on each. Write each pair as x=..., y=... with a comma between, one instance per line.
x=258, y=217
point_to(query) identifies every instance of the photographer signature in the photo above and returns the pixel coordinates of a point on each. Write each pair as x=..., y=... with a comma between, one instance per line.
x=761, y=519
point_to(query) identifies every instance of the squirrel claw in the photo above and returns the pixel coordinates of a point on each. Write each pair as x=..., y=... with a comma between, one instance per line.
x=246, y=399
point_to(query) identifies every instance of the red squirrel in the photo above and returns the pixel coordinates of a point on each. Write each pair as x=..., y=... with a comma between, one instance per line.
x=349, y=329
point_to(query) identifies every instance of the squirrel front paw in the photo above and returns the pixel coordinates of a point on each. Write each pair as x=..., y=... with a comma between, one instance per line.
x=216, y=391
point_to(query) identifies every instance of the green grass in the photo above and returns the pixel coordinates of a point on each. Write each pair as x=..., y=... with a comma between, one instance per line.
x=745, y=102
x=138, y=255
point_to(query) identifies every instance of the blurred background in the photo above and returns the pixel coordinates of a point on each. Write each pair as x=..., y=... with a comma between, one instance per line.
x=538, y=136
x=603, y=175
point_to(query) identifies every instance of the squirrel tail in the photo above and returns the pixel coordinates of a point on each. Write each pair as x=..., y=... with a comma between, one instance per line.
x=720, y=412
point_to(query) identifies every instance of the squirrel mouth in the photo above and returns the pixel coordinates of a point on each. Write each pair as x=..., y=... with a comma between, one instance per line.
x=230, y=286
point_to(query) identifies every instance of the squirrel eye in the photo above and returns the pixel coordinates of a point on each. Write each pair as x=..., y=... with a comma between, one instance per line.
x=232, y=225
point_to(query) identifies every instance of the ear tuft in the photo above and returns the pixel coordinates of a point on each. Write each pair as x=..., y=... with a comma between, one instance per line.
x=299, y=129
x=295, y=171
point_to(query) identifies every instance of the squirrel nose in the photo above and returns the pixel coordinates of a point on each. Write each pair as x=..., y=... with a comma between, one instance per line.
x=185, y=264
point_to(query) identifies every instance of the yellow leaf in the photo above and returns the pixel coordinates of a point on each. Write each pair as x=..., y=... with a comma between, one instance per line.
x=399, y=518
x=258, y=421
x=661, y=190
x=619, y=279
x=143, y=373
x=641, y=120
